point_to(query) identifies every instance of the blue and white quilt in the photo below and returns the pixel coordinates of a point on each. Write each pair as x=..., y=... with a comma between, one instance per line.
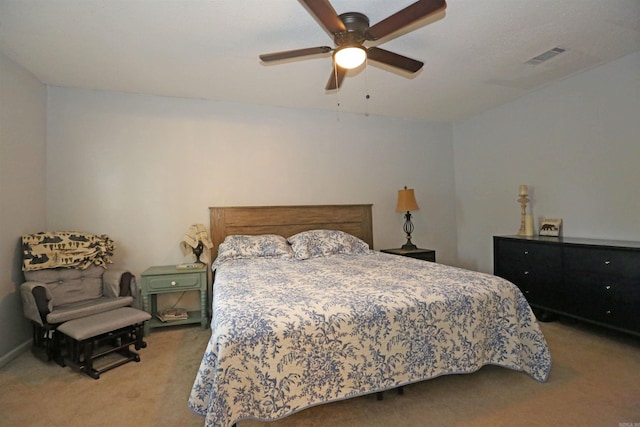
x=288, y=334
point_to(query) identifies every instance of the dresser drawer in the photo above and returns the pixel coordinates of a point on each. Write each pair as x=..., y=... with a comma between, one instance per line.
x=177, y=282
x=615, y=305
x=606, y=298
x=535, y=268
x=603, y=261
x=524, y=254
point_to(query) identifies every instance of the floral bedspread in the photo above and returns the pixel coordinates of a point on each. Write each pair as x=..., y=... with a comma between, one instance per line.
x=289, y=334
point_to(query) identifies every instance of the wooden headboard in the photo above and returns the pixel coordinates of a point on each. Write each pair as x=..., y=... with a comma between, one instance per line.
x=289, y=220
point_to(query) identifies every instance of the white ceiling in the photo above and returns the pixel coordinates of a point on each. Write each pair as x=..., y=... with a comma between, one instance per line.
x=474, y=53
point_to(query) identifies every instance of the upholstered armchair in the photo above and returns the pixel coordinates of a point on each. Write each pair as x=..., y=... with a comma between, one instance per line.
x=51, y=297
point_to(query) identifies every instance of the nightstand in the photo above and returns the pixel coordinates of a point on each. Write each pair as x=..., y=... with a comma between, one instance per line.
x=167, y=279
x=423, y=254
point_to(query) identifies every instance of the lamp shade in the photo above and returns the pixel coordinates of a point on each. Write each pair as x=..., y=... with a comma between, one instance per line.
x=406, y=200
x=196, y=233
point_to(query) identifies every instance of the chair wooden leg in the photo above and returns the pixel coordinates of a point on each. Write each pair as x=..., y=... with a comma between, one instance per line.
x=39, y=345
x=46, y=344
x=87, y=354
x=138, y=337
x=58, y=344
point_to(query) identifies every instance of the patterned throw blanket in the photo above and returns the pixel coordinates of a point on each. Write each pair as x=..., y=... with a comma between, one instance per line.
x=69, y=249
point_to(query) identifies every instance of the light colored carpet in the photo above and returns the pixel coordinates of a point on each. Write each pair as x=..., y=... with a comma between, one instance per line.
x=594, y=381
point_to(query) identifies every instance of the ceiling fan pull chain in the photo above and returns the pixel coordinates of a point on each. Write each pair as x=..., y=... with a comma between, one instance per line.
x=335, y=76
x=366, y=88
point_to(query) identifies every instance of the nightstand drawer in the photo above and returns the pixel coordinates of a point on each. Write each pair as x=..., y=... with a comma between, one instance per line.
x=182, y=282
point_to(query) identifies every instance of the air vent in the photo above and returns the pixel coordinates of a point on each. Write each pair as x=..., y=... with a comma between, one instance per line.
x=546, y=56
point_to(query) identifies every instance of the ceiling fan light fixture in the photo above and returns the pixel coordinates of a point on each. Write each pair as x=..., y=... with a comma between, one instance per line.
x=350, y=57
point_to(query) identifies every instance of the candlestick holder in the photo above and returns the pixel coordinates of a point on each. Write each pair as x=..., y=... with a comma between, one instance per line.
x=523, y=199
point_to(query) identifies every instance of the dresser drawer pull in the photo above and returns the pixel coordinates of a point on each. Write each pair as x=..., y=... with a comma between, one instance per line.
x=173, y=283
x=608, y=312
x=607, y=262
x=526, y=252
x=607, y=287
x=526, y=273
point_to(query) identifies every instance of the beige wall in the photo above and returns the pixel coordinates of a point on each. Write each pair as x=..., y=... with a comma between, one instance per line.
x=143, y=168
x=22, y=188
x=575, y=143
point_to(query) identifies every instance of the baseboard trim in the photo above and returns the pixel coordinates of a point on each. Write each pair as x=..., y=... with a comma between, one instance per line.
x=4, y=360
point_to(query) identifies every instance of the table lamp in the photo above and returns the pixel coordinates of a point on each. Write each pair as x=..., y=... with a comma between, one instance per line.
x=407, y=203
x=196, y=239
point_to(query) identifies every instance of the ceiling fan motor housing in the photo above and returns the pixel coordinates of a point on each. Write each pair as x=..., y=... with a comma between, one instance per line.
x=357, y=24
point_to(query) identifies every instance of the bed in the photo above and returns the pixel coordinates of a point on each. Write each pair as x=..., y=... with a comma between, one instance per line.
x=319, y=317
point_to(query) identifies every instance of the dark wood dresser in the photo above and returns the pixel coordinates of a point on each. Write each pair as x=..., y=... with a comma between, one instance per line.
x=589, y=279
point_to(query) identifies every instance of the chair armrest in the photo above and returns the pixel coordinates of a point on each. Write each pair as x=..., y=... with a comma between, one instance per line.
x=37, y=301
x=119, y=283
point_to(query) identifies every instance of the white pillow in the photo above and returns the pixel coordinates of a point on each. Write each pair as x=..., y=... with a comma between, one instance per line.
x=264, y=245
x=318, y=243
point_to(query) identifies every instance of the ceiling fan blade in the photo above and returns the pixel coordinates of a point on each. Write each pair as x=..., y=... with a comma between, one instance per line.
x=327, y=15
x=404, y=17
x=336, y=78
x=288, y=54
x=393, y=59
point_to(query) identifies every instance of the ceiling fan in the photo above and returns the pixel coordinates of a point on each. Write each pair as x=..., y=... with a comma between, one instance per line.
x=351, y=29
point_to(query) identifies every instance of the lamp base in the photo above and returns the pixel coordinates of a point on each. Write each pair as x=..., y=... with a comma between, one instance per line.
x=408, y=229
x=409, y=246
x=197, y=251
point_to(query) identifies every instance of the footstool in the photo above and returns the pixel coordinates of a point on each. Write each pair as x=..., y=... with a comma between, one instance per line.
x=85, y=339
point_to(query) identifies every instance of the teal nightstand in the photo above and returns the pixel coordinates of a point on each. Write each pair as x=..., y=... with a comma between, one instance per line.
x=167, y=279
